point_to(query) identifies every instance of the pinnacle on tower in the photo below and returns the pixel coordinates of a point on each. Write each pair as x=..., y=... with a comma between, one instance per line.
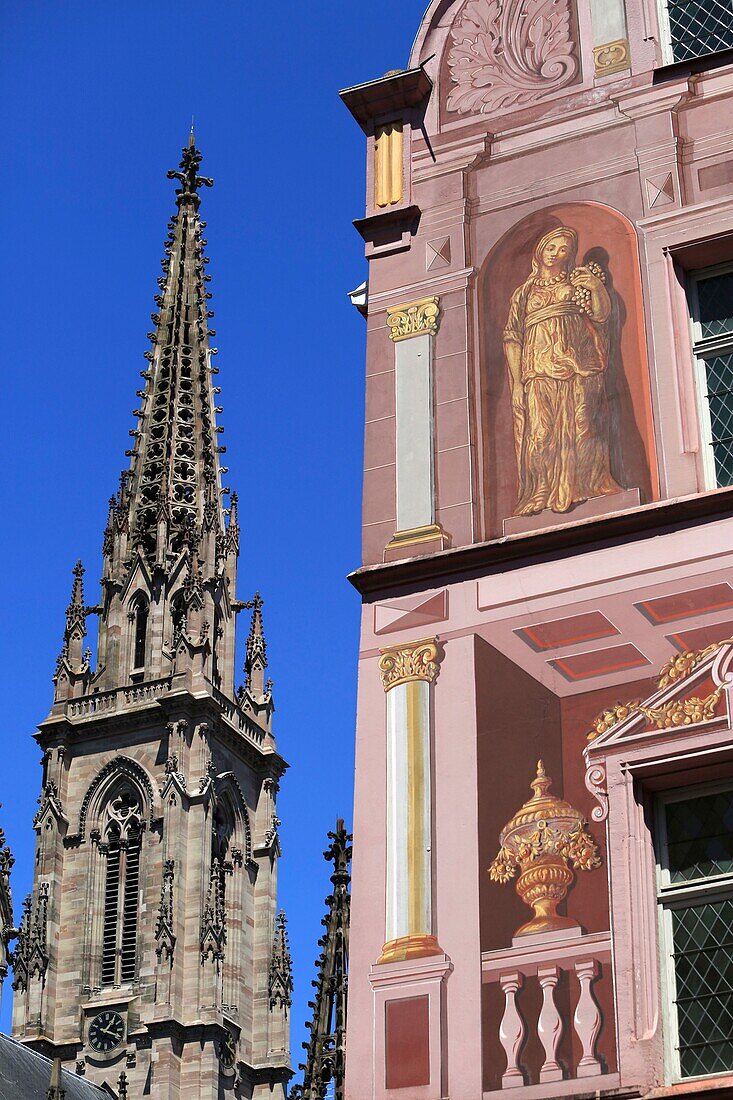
x=326, y=1049
x=280, y=984
x=255, y=661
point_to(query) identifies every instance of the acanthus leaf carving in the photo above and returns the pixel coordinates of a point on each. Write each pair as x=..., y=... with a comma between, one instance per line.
x=506, y=53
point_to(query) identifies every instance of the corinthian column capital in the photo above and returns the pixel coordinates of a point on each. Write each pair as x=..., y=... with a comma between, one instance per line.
x=399, y=664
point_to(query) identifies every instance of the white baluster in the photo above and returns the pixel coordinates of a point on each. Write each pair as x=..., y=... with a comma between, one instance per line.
x=549, y=1025
x=512, y=1031
x=587, y=1018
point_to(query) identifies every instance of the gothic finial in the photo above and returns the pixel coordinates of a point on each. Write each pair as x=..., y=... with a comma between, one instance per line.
x=122, y=1086
x=189, y=177
x=76, y=620
x=280, y=984
x=255, y=661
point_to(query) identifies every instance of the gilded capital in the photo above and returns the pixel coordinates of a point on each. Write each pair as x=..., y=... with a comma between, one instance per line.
x=399, y=664
x=414, y=319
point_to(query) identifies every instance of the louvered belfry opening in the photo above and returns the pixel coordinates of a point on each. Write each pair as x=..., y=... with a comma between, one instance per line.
x=122, y=889
x=141, y=613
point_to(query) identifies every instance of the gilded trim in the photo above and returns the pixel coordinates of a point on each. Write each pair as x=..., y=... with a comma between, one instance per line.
x=414, y=319
x=412, y=535
x=409, y=947
x=388, y=164
x=611, y=57
x=400, y=664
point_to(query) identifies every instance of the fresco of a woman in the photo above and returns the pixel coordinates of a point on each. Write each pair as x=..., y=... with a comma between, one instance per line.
x=556, y=351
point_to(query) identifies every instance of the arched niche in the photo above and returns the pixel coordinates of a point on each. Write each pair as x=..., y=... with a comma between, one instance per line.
x=608, y=239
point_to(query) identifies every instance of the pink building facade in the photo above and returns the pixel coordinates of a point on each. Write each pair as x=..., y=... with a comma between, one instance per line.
x=543, y=864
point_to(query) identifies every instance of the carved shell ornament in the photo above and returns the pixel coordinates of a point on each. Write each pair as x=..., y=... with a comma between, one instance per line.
x=506, y=53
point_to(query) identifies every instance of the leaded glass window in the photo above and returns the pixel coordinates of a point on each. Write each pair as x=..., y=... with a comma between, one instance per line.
x=698, y=27
x=712, y=307
x=696, y=903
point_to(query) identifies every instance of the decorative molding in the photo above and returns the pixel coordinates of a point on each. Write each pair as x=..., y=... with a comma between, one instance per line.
x=414, y=535
x=389, y=186
x=611, y=57
x=414, y=319
x=510, y=53
x=120, y=765
x=674, y=712
x=400, y=664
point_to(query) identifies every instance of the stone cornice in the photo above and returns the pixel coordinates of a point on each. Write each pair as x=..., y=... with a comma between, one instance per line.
x=562, y=541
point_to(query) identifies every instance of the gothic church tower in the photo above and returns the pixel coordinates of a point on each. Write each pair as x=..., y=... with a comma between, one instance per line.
x=150, y=942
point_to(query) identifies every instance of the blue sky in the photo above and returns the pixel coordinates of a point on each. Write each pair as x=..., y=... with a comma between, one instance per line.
x=97, y=99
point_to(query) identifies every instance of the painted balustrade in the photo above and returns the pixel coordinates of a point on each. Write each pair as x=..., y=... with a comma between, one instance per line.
x=543, y=959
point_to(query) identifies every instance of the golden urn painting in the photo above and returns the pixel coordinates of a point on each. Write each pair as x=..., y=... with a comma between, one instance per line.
x=545, y=841
x=556, y=348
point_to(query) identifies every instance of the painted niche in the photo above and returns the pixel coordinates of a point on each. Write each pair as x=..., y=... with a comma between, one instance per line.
x=564, y=371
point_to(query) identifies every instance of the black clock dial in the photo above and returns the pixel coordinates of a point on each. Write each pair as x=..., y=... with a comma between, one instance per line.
x=228, y=1051
x=106, y=1032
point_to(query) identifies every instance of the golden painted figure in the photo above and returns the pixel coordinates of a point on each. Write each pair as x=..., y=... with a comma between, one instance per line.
x=556, y=350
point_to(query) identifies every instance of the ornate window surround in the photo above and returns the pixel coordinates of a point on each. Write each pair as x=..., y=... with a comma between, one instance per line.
x=627, y=766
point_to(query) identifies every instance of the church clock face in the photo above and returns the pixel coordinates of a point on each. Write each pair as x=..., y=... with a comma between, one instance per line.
x=106, y=1032
x=228, y=1051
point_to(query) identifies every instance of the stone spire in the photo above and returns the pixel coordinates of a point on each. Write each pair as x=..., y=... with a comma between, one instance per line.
x=166, y=528
x=174, y=481
x=326, y=1049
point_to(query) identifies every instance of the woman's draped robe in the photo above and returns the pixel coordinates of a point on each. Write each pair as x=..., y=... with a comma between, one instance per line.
x=561, y=434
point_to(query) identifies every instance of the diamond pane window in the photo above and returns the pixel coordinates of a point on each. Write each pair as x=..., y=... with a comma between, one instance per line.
x=696, y=903
x=699, y=27
x=703, y=960
x=713, y=347
x=700, y=836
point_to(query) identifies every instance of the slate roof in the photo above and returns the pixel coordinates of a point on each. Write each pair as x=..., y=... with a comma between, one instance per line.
x=26, y=1074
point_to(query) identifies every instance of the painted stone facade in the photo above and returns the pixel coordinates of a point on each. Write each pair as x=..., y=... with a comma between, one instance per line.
x=150, y=944
x=544, y=710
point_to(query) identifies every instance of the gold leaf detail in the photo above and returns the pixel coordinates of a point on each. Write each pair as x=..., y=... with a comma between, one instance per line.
x=414, y=319
x=413, y=661
x=683, y=712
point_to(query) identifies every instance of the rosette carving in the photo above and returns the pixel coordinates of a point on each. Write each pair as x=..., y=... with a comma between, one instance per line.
x=545, y=841
x=414, y=661
x=506, y=53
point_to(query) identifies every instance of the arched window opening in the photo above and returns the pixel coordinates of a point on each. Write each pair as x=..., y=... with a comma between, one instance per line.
x=141, y=614
x=122, y=888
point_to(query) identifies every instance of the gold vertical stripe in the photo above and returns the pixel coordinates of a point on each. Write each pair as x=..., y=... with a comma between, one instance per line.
x=416, y=839
x=395, y=143
x=388, y=184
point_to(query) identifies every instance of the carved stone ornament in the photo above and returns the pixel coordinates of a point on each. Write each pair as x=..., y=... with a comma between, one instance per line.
x=414, y=319
x=545, y=840
x=612, y=57
x=400, y=664
x=507, y=53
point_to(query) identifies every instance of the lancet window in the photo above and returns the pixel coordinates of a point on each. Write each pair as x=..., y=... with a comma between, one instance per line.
x=122, y=843
x=695, y=889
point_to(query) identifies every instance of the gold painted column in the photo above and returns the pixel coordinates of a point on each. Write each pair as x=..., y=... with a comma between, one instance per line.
x=407, y=672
